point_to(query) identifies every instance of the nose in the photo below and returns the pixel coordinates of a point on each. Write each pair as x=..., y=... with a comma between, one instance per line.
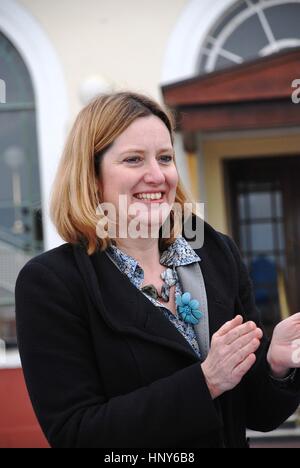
x=154, y=174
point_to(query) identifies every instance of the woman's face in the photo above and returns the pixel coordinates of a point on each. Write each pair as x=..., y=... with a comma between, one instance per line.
x=139, y=165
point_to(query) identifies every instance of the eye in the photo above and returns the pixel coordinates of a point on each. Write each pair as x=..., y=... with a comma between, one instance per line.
x=166, y=158
x=133, y=160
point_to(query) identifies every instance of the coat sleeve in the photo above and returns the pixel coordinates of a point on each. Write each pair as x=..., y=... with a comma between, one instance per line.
x=65, y=385
x=268, y=404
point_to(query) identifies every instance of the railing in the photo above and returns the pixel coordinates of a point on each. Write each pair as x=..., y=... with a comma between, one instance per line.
x=25, y=232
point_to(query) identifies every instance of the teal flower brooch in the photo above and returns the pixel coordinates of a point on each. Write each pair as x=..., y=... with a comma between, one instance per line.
x=188, y=309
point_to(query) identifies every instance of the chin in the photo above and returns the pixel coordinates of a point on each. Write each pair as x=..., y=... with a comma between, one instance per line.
x=142, y=227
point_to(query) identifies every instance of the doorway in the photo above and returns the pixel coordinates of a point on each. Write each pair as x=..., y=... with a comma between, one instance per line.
x=264, y=205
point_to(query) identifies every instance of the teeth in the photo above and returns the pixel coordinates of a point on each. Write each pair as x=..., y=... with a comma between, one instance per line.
x=149, y=196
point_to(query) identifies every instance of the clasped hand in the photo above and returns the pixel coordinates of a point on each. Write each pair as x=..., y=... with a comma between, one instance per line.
x=284, y=350
x=231, y=355
x=233, y=348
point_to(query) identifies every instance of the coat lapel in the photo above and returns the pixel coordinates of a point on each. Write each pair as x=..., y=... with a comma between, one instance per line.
x=191, y=279
x=123, y=307
x=220, y=304
x=126, y=310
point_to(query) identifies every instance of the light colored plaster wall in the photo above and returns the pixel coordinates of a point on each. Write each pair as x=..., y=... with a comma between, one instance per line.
x=124, y=41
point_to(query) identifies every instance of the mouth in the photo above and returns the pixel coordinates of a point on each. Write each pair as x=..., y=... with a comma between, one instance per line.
x=150, y=197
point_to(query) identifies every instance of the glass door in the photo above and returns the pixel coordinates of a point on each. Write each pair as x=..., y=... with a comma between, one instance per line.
x=21, y=235
x=264, y=208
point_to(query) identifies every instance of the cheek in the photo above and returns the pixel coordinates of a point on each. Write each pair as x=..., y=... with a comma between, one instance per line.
x=115, y=184
x=173, y=179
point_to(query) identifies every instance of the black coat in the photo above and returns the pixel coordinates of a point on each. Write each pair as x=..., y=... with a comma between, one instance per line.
x=105, y=368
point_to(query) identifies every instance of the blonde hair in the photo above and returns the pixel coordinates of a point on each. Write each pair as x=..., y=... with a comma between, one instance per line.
x=76, y=192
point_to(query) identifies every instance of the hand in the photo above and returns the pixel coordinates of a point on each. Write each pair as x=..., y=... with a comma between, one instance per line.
x=283, y=355
x=231, y=355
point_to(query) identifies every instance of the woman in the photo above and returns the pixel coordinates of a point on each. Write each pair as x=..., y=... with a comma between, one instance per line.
x=114, y=330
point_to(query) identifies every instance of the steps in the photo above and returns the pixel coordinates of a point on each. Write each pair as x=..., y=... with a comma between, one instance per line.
x=287, y=435
x=11, y=262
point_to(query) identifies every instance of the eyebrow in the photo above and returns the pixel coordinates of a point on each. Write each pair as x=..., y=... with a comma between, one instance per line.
x=168, y=149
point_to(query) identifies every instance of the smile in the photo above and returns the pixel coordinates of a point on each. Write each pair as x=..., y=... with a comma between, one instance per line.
x=149, y=196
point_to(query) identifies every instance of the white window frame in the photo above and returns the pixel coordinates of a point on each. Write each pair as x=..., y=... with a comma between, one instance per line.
x=190, y=32
x=193, y=29
x=52, y=113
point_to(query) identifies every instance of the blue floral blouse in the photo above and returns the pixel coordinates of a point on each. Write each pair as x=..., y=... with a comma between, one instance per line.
x=178, y=254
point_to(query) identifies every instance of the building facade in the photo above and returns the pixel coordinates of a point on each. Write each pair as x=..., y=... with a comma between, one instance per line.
x=55, y=56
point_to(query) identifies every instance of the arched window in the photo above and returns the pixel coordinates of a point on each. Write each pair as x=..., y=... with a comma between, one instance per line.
x=20, y=199
x=250, y=29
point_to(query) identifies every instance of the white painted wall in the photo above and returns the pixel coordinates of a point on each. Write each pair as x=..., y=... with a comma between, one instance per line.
x=135, y=44
x=122, y=40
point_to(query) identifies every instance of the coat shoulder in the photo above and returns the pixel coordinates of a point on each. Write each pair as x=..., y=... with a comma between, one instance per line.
x=220, y=243
x=59, y=262
x=62, y=253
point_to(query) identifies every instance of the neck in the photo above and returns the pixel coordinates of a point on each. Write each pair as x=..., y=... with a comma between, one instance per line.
x=145, y=251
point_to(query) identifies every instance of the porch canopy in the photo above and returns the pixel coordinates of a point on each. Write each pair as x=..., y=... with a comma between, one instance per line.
x=253, y=95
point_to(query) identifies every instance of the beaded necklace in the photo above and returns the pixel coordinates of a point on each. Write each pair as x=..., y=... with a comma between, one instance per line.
x=187, y=308
x=170, y=278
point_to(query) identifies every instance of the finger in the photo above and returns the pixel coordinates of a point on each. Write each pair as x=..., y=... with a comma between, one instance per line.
x=243, y=353
x=295, y=317
x=240, y=370
x=239, y=331
x=245, y=340
x=238, y=320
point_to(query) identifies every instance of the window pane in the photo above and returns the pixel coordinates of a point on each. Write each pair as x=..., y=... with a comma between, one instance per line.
x=7, y=218
x=278, y=204
x=244, y=234
x=247, y=39
x=242, y=206
x=260, y=205
x=16, y=227
x=262, y=237
x=284, y=20
x=20, y=233
x=263, y=272
x=223, y=62
x=231, y=14
x=18, y=156
x=13, y=71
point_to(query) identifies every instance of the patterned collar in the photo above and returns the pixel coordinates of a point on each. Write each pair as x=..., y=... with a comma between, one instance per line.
x=177, y=254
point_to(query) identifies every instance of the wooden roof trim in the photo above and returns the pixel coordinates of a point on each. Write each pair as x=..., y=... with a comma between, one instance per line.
x=266, y=78
x=240, y=116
